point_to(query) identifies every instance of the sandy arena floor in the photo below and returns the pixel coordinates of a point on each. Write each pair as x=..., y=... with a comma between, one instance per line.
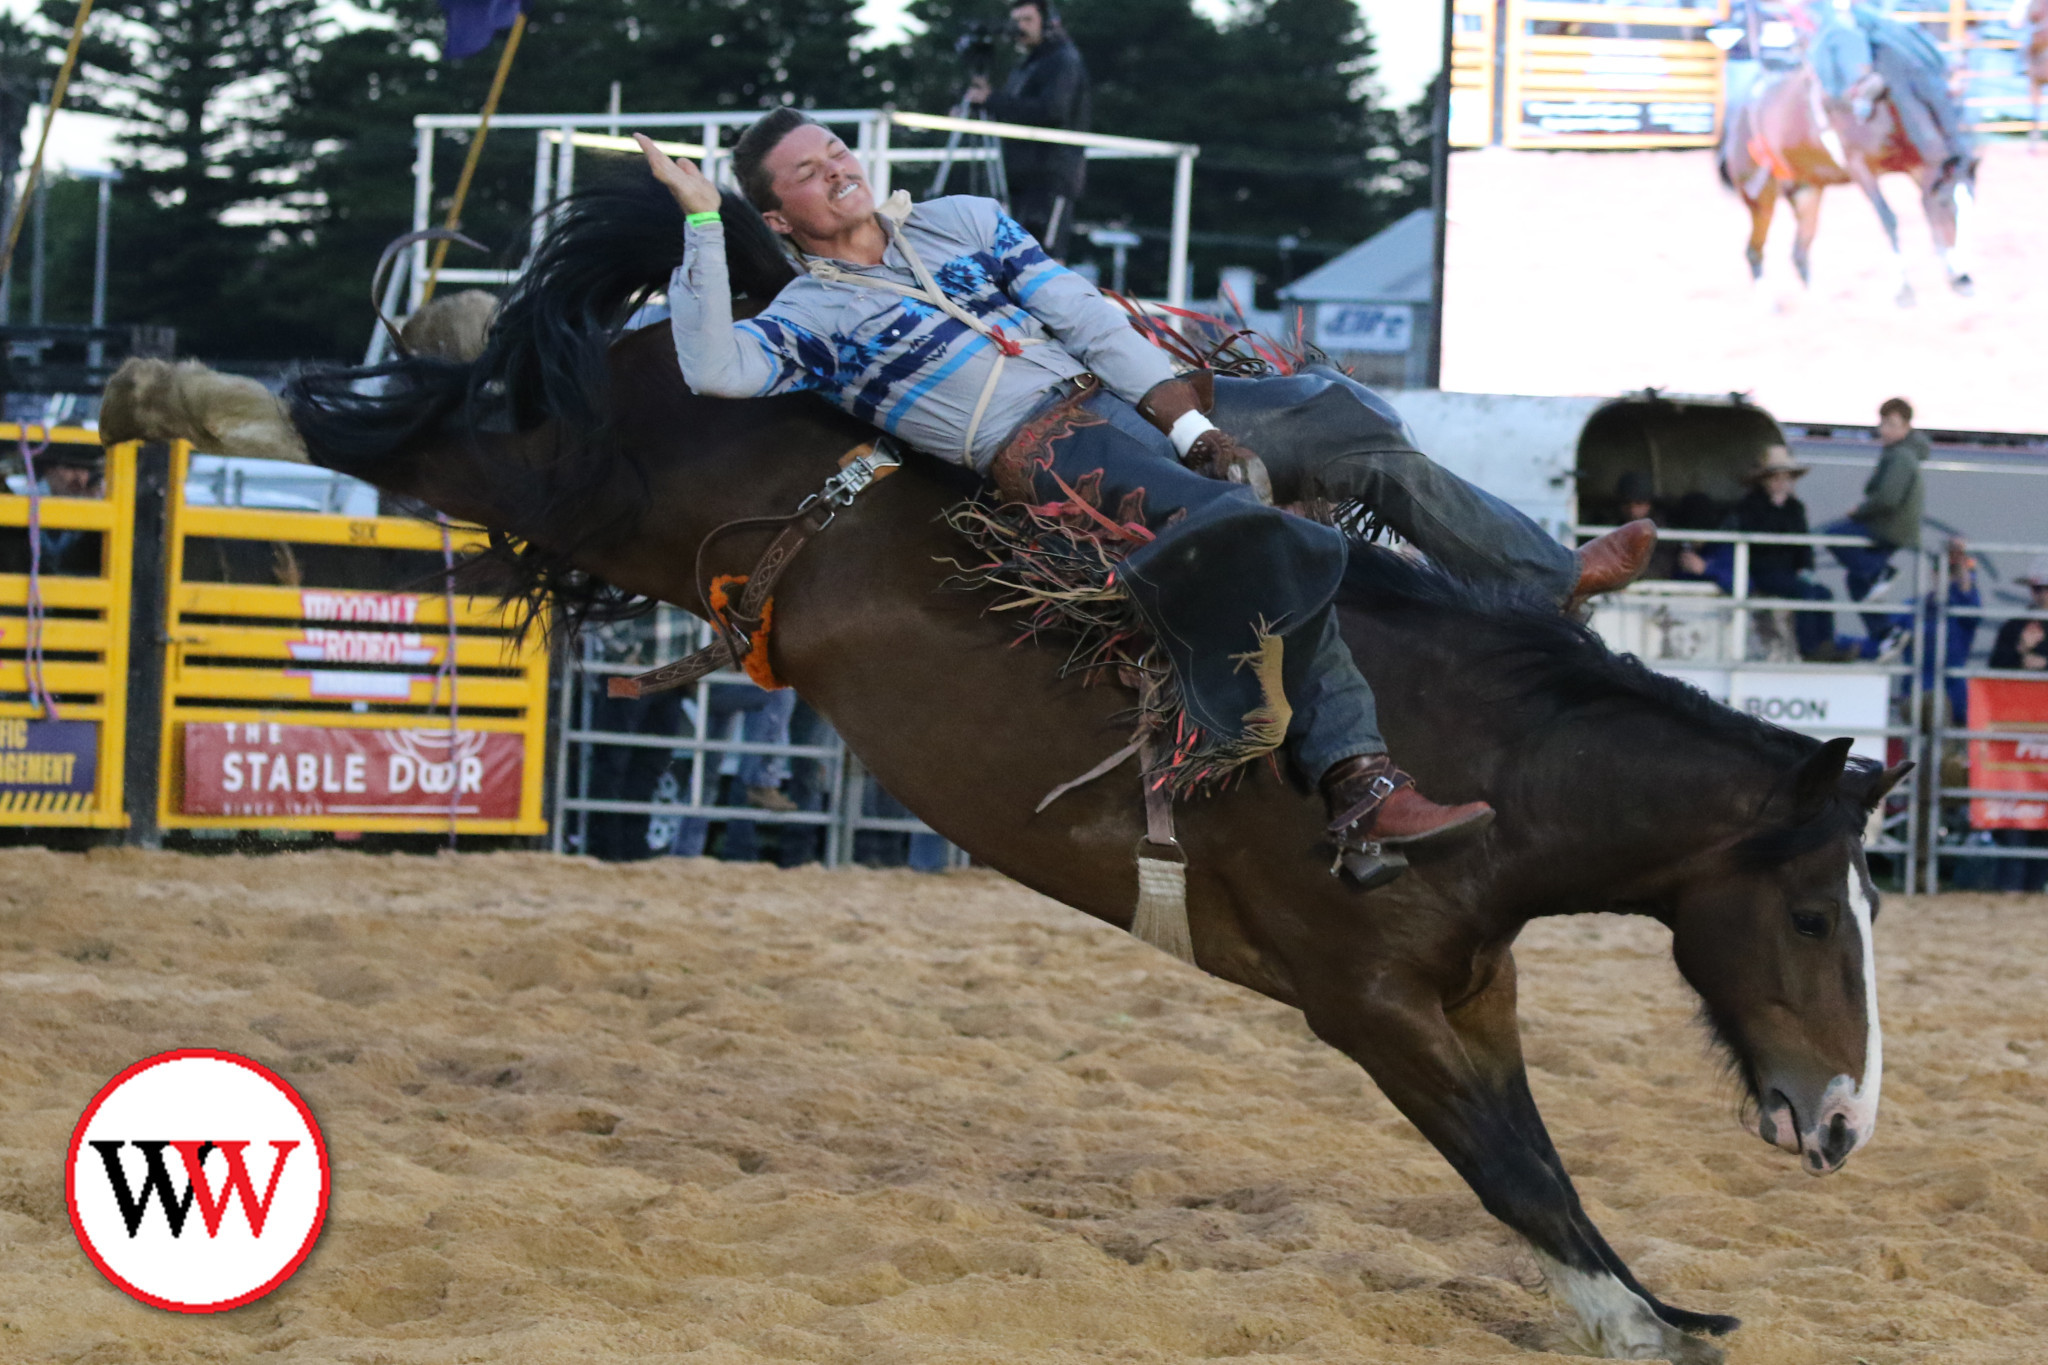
x=1600, y=272
x=723, y=1114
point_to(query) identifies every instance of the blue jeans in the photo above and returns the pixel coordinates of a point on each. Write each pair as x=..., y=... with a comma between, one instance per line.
x=1463, y=529
x=1865, y=565
x=1812, y=629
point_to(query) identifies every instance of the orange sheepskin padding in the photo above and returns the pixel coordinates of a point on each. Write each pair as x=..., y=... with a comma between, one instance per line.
x=723, y=589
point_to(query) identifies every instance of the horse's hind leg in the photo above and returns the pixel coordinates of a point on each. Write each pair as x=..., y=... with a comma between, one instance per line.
x=1867, y=182
x=1806, y=220
x=1760, y=210
x=1456, y=1072
x=1945, y=219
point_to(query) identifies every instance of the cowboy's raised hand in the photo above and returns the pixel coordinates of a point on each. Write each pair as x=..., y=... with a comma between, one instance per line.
x=691, y=187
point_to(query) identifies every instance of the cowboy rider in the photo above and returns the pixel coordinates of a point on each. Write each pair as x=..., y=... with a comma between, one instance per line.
x=947, y=325
x=1858, y=54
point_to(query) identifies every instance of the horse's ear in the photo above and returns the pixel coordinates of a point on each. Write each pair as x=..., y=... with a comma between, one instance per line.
x=1818, y=780
x=1881, y=783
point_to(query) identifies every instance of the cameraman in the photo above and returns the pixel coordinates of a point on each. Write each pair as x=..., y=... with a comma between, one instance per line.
x=1047, y=89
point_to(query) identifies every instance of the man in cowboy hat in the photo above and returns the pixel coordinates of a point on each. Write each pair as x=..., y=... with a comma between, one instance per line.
x=1770, y=507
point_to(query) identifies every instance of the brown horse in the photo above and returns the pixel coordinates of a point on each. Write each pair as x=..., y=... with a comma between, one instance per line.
x=1777, y=143
x=1617, y=789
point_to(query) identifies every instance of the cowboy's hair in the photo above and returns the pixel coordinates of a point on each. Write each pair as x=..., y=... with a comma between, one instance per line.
x=1896, y=407
x=761, y=138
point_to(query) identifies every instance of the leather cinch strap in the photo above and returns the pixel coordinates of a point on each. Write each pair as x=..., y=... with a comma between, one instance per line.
x=858, y=469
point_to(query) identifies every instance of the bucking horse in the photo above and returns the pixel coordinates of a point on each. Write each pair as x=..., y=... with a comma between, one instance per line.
x=1789, y=140
x=601, y=476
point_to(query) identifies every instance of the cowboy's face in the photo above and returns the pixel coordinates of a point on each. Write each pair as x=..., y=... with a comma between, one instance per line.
x=1778, y=485
x=1634, y=511
x=823, y=190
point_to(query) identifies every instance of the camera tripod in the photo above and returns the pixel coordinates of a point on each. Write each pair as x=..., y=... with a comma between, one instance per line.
x=998, y=182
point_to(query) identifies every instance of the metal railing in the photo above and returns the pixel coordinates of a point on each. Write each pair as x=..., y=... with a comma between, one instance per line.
x=837, y=799
x=1738, y=646
x=558, y=136
x=1977, y=735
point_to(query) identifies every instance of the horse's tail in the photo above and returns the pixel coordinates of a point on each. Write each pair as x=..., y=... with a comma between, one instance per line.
x=607, y=249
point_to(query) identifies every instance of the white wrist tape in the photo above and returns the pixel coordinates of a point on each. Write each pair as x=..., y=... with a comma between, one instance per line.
x=1187, y=429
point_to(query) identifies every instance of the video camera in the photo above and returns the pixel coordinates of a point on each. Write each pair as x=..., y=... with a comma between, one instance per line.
x=976, y=46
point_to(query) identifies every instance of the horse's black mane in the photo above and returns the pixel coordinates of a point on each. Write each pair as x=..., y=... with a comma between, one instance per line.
x=608, y=248
x=1546, y=656
x=1546, y=661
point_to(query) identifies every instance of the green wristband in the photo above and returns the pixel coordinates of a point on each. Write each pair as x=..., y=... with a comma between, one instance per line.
x=701, y=219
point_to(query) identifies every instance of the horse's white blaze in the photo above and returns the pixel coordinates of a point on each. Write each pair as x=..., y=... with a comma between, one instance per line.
x=1853, y=1099
x=1615, y=1321
x=1861, y=1109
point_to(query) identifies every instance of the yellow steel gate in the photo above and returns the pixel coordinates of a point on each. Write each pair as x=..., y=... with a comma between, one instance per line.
x=294, y=698
x=71, y=656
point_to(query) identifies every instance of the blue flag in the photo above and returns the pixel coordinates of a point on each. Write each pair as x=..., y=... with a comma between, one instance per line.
x=473, y=23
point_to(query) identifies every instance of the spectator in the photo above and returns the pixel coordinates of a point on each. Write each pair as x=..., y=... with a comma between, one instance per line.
x=2022, y=644
x=1889, y=515
x=1635, y=500
x=1769, y=507
x=69, y=471
x=1047, y=89
x=1962, y=631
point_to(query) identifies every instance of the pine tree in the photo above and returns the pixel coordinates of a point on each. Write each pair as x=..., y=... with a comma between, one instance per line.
x=208, y=176
x=350, y=119
x=1278, y=97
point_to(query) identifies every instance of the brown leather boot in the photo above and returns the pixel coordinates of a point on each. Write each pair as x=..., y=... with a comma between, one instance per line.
x=1615, y=560
x=1372, y=802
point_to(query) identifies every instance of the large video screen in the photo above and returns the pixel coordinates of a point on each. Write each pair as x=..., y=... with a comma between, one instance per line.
x=1677, y=195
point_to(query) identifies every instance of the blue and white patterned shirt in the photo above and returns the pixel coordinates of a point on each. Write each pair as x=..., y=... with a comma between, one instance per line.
x=901, y=363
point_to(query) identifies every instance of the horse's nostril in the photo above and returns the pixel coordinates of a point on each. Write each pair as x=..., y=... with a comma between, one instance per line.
x=1839, y=1140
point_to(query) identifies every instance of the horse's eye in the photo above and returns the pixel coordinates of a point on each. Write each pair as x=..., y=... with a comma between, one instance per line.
x=1810, y=926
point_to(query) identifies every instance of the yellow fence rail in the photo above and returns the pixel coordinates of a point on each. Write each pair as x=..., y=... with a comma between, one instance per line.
x=305, y=684
x=71, y=657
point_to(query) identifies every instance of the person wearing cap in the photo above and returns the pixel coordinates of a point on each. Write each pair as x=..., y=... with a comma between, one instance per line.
x=2022, y=644
x=70, y=471
x=1770, y=507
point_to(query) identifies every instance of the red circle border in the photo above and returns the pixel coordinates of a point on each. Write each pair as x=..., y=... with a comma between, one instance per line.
x=78, y=1138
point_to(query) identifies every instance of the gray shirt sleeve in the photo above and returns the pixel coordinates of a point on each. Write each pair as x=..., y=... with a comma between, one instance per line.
x=1088, y=326
x=721, y=358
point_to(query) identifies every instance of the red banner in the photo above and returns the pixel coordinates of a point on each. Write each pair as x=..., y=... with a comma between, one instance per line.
x=2006, y=765
x=265, y=768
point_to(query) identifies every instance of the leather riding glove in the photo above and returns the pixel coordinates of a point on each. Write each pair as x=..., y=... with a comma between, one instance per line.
x=1177, y=406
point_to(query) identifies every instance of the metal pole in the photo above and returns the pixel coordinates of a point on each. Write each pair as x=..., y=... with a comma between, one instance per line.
x=878, y=178
x=96, y=352
x=1183, y=207
x=543, y=190
x=99, y=255
x=422, y=205
x=1738, y=650
x=614, y=110
x=39, y=259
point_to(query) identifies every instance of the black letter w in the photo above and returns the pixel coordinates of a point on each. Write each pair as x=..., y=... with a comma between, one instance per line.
x=133, y=1208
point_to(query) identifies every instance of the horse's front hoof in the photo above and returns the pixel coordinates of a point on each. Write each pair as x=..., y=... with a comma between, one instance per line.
x=1963, y=285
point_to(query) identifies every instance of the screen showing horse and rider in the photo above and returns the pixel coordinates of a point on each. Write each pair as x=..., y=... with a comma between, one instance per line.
x=1635, y=199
